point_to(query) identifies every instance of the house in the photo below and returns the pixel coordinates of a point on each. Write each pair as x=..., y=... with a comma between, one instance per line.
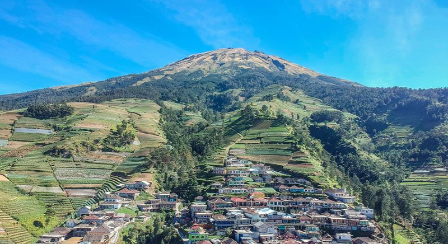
x=72, y=223
x=219, y=203
x=232, y=190
x=341, y=195
x=265, y=231
x=202, y=217
x=197, y=233
x=128, y=193
x=258, y=179
x=93, y=219
x=197, y=207
x=244, y=235
x=228, y=241
x=238, y=172
x=83, y=211
x=296, y=189
x=222, y=222
x=138, y=185
x=368, y=212
x=109, y=206
x=111, y=201
x=151, y=205
x=82, y=229
x=282, y=188
x=343, y=237
x=327, y=239
x=364, y=240
x=267, y=178
x=57, y=235
x=166, y=196
x=235, y=181
x=121, y=217
x=216, y=185
x=100, y=235
x=164, y=205
x=203, y=242
x=113, y=198
x=219, y=171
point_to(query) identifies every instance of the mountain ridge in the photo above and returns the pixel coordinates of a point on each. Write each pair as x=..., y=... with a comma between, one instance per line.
x=221, y=64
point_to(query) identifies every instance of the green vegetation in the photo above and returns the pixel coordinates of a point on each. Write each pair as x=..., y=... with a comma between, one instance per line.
x=120, y=136
x=46, y=111
x=152, y=231
x=389, y=146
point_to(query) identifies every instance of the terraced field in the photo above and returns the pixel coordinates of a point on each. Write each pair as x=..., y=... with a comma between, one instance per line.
x=424, y=185
x=39, y=189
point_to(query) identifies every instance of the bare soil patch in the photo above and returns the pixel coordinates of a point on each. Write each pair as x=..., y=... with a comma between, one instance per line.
x=9, y=118
x=105, y=156
x=3, y=178
x=5, y=134
x=20, y=152
x=16, y=144
x=76, y=186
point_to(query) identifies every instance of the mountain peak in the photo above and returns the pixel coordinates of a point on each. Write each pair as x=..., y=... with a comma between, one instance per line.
x=227, y=59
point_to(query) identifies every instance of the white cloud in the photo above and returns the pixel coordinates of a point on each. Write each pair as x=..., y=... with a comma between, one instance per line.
x=215, y=25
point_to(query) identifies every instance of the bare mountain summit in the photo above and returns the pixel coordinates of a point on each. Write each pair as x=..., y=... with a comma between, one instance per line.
x=229, y=62
x=222, y=67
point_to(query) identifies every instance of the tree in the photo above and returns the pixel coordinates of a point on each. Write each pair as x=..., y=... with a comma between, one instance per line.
x=122, y=135
x=46, y=111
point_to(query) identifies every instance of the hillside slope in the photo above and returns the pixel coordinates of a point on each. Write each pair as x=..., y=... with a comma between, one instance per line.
x=218, y=66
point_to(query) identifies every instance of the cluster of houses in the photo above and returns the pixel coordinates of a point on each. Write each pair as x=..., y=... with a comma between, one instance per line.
x=252, y=205
x=295, y=213
x=102, y=224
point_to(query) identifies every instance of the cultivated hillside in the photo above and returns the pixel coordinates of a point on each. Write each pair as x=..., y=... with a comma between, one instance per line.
x=186, y=117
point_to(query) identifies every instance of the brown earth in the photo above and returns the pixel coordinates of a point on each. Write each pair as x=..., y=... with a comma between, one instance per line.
x=3, y=178
x=20, y=152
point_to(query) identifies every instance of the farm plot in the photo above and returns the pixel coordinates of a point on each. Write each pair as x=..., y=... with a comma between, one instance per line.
x=28, y=137
x=193, y=118
x=15, y=232
x=276, y=153
x=101, y=117
x=145, y=115
x=33, y=131
x=6, y=122
x=27, y=209
x=299, y=104
x=81, y=175
x=131, y=165
x=423, y=186
x=59, y=203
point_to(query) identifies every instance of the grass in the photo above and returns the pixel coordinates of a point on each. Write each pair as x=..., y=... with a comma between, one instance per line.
x=129, y=211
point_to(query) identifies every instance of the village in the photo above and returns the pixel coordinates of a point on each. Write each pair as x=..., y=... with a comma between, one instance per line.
x=286, y=210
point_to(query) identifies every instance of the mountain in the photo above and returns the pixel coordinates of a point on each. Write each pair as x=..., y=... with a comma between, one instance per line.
x=388, y=146
x=218, y=66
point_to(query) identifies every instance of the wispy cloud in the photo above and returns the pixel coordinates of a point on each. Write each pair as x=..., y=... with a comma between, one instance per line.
x=23, y=57
x=137, y=46
x=214, y=24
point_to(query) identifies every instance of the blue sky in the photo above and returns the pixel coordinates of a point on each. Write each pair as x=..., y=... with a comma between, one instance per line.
x=376, y=43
